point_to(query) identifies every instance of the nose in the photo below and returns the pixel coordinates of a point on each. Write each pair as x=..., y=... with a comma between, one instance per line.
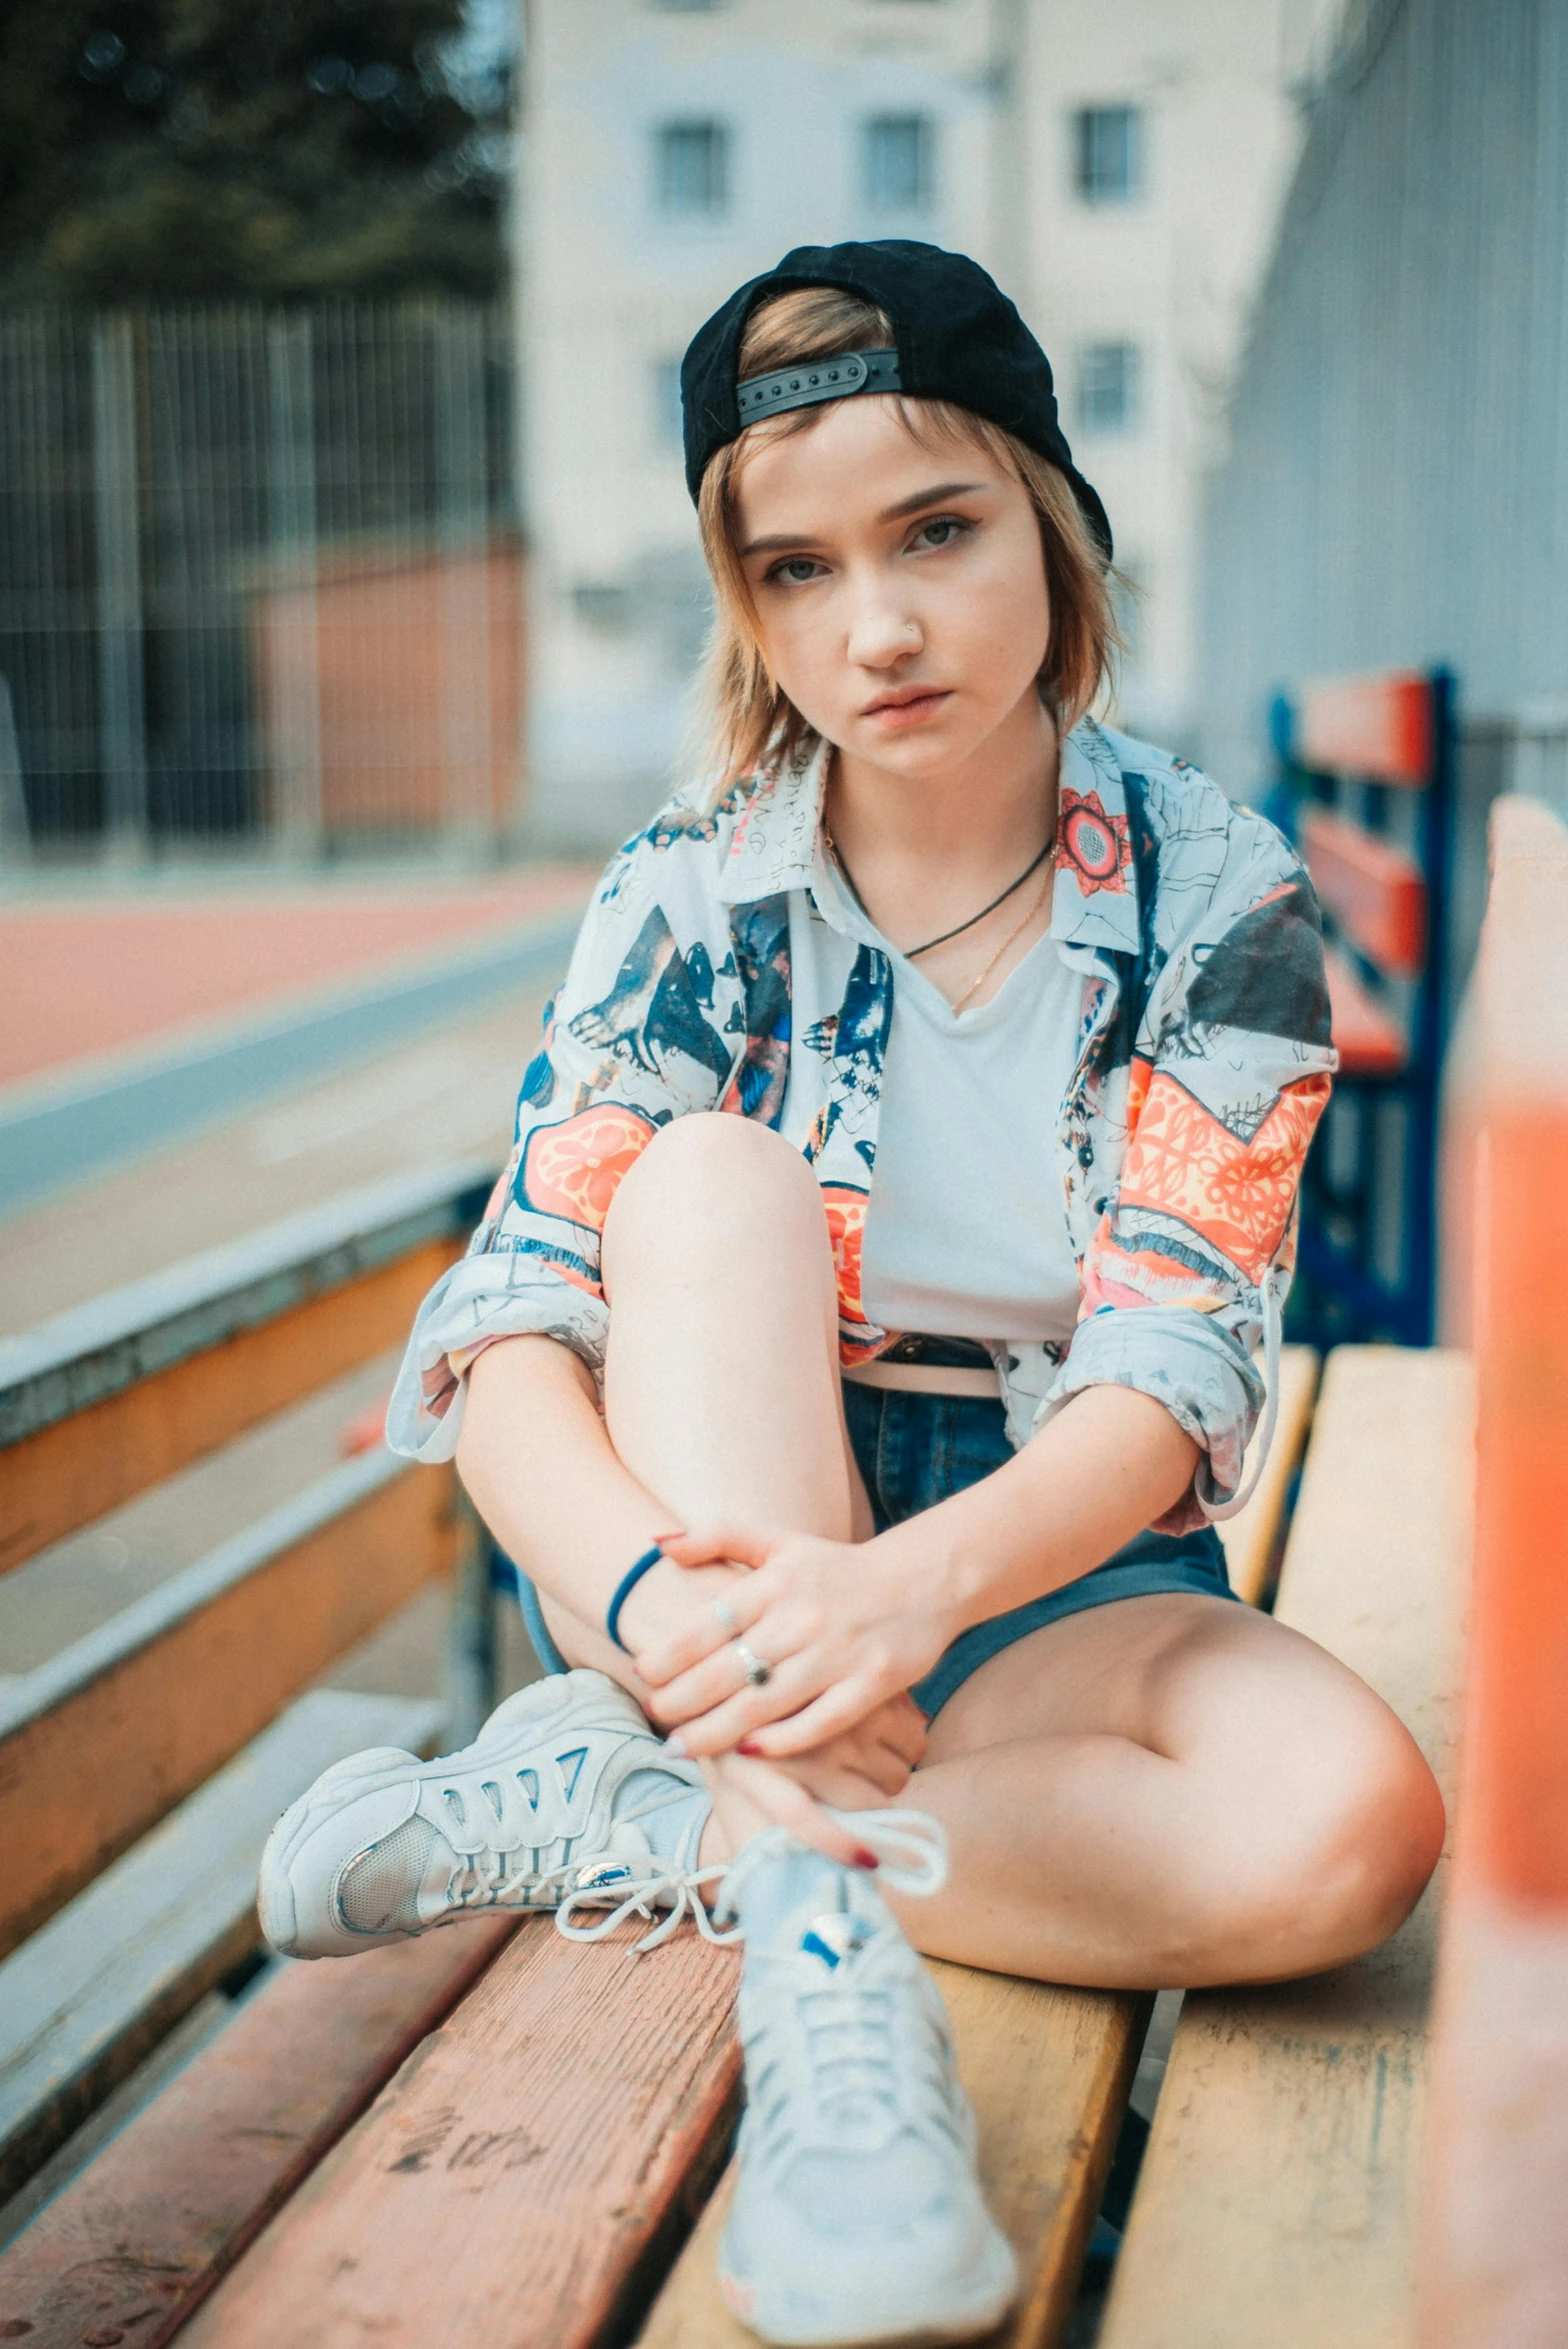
x=883, y=630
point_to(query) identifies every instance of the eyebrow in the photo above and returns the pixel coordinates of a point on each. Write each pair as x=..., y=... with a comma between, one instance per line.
x=922, y=498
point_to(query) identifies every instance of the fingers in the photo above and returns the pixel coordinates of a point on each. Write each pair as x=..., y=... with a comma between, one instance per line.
x=787, y=1804
x=665, y=1659
x=717, y=1545
x=737, y=1715
x=828, y=1716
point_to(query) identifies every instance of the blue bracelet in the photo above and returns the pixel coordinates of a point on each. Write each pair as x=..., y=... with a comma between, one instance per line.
x=623, y=1591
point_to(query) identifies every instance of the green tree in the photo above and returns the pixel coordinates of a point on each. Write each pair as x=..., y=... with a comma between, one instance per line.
x=186, y=149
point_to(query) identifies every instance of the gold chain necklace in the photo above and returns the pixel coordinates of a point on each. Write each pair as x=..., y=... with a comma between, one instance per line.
x=1011, y=939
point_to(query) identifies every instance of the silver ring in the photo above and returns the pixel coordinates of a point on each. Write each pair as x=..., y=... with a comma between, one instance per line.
x=724, y=1614
x=756, y=1671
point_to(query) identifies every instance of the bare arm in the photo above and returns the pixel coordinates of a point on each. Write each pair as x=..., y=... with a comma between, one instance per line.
x=544, y=1476
x=539, y=1465
x=1109, y=1464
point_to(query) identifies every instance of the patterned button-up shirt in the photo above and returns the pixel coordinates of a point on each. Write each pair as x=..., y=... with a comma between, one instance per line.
x=1203, y=1063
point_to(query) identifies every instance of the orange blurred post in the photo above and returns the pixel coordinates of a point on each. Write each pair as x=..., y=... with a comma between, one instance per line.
x=1494, y=2267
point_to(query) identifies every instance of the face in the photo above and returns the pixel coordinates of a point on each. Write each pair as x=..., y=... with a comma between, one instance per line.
x=900, y=591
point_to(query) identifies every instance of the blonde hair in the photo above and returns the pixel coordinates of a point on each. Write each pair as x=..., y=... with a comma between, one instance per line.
x=747, y=717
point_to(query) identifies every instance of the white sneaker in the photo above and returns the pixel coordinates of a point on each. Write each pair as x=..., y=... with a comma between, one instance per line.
x=857, y=2215
x=385, y=1845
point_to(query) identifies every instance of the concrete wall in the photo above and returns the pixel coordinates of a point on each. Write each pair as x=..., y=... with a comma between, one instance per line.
x=1396, y=489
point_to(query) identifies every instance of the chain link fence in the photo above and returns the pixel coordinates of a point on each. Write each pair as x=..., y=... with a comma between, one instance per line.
x=260, y=584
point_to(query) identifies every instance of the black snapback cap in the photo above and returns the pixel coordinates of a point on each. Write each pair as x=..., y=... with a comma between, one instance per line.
x=957, y=338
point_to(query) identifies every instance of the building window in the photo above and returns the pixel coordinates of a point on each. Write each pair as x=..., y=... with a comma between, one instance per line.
x=898, y=155
x=1108, y=387
x=1108, y=163
x=693, y=165
x=667, y=403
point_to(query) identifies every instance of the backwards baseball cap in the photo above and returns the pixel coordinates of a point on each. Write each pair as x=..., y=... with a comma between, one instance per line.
x=957, y=338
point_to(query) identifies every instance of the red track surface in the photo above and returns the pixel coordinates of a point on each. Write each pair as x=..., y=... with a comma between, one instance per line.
x=86, y=979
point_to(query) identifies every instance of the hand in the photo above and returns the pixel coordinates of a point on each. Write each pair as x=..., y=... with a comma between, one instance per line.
x=843, y=1626
x=869, y=1765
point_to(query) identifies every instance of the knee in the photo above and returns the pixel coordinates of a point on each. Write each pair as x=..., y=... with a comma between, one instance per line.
x=712, y=1169
x=1355, y=1840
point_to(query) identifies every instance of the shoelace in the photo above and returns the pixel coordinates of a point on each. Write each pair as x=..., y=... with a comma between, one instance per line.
x=492, y=1879
x=910, y=1848
x=681, y=1885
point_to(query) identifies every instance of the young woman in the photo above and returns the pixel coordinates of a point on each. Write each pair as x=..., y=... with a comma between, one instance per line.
x=861, y=1338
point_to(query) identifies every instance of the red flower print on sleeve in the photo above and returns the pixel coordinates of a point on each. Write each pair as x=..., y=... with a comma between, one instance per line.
x=573, y=1170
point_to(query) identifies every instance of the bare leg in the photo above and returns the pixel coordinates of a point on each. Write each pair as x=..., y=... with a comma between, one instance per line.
x=1165, y=1790
x=1171, y=1791
x=721, y=1389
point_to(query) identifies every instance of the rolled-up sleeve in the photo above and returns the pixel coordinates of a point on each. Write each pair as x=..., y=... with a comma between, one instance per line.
x=643, y=1030
x=1191, y=1363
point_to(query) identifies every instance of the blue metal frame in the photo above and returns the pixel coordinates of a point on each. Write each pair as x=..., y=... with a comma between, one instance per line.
x=1379, y=1138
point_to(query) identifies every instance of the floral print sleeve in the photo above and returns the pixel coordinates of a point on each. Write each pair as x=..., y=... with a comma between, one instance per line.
x=1228, y=1074
x=670, y=1005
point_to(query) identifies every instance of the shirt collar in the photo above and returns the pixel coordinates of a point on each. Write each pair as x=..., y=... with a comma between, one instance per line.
x=777, y=842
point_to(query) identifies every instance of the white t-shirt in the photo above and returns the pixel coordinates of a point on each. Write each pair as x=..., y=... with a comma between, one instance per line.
x=965, y=1235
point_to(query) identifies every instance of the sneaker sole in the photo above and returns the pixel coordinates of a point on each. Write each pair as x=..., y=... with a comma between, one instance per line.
x=984, y=2312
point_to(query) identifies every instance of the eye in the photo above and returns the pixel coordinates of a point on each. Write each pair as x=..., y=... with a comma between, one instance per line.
x=941, y=531
x=795, y=570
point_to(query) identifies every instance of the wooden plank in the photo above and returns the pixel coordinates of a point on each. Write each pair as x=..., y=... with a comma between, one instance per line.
x=104, y=1980
x=100, y=1743
x=1375, y=892
x=134, y=2243
x=1276, y=2200
x=94, y=1350
x=1378, y=727
x=1369, y=1041
x=1251, y=1539
x=72, y=1470
x=1049, y=2071
x=525, y=2176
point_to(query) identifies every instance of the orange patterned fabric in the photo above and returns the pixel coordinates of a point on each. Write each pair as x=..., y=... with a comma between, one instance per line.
x=1139, y=1074
x=1238, y=1194
x=846, y=1213
x=574, y=1170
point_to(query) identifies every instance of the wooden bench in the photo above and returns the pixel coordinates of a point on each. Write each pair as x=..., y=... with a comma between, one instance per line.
x=141, y=1768
x=518, y=2140
x=578, y=2100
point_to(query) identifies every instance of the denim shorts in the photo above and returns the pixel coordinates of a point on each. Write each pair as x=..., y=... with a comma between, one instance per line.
x=915, y=1450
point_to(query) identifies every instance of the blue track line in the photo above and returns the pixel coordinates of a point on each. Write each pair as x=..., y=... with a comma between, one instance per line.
x=61, y=1141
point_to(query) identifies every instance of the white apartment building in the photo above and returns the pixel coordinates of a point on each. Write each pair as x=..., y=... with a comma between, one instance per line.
x=1117, y=165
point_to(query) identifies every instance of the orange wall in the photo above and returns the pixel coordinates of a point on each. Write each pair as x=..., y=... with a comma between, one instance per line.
x=419, y=678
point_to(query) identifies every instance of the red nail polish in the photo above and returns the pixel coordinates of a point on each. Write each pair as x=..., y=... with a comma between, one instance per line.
x=752, y=1751
x=865, y=1859
x=677, y=1535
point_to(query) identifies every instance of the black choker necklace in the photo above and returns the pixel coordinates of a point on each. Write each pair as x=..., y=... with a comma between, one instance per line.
x=914, y=952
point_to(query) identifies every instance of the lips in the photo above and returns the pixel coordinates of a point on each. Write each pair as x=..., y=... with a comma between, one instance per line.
x=908, y=706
